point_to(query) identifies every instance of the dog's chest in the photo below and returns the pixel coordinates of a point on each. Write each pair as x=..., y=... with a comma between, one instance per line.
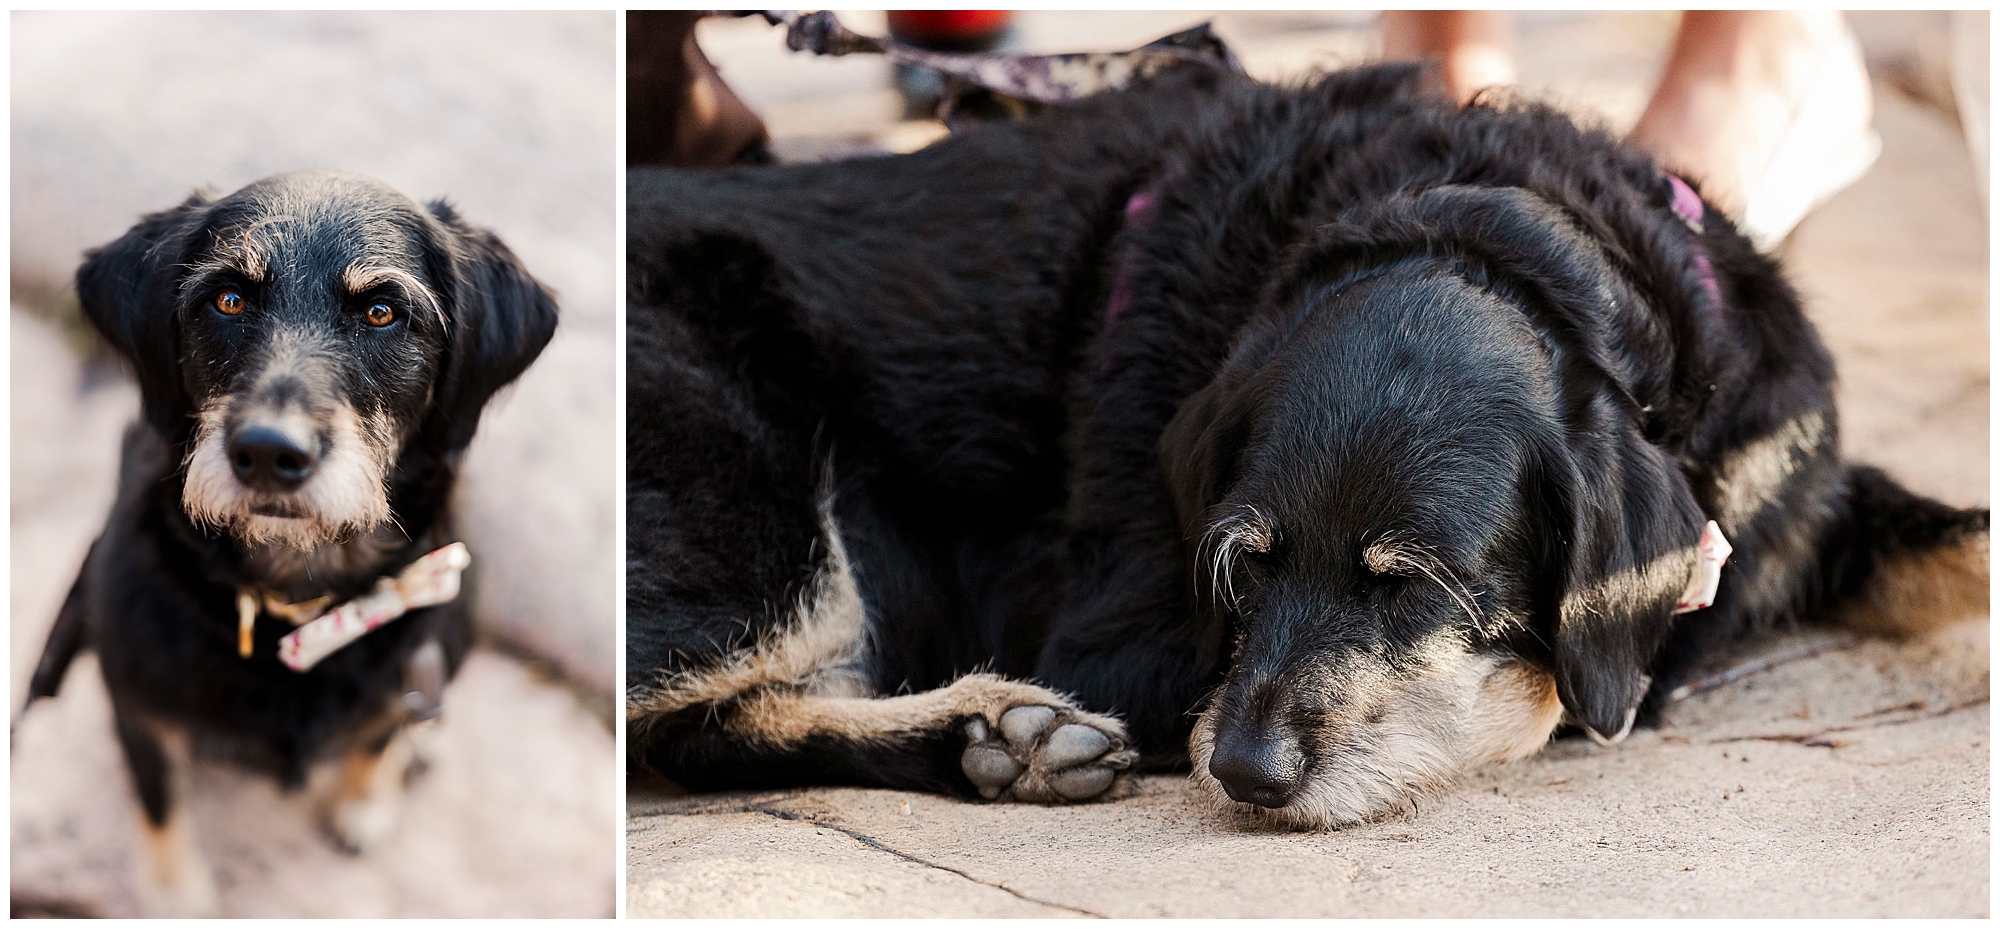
x=297, y=575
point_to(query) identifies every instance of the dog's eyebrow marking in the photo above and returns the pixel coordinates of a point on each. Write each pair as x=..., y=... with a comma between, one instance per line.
x=363, y=275
x=243, y=254
x=1392, y=554
x=246, y=253
x=1237, y=529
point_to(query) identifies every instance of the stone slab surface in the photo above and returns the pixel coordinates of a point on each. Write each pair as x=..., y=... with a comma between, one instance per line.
x=1852, y=782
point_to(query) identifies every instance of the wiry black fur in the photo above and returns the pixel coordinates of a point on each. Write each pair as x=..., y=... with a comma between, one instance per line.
x=1352, y=305
x=156, y=598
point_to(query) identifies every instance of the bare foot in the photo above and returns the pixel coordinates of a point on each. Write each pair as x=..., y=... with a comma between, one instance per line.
x=1471, y=47
x=1769, y=110
x=678, y=111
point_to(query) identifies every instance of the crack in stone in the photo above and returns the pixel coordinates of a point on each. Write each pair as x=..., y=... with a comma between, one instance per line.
x=764, y=806
x=1796, y=651
x=881, y=846
x=1821, y=738
x=707, y=807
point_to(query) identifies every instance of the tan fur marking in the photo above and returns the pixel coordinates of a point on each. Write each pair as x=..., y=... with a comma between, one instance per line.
x=1755, y=476
x=1385, y=558
x=363, y=276
x=1914, y=594
x=779, y=719
x=366, y=798
x=1517, y=710
x=817, y=652
x=244, y=254
x=346, y=495
x=1398, y=556
x=1402, y=737
x=1239, y=528
x=1632, y=589
x=176, y=880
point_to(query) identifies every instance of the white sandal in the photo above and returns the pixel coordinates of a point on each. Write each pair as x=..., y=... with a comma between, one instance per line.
x=1802, y=173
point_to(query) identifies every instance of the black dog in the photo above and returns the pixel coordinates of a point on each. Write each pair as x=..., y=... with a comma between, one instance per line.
x=312, y=352
x=1358, y=436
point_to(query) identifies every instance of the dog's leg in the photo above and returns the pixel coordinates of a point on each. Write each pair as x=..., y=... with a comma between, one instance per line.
x=981, y=735
x=177, y=881
x=366, y=798
x=748, y=653
x=795, y=708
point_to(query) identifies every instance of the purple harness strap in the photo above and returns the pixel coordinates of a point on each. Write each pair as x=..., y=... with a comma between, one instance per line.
x=1137, y=211
x=1687, y=205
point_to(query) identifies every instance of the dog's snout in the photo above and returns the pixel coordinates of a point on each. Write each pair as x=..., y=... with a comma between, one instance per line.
x=272, y=458
x=1258, y=764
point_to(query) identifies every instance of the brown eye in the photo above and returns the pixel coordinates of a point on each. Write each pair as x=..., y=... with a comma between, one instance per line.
x=381, y=314
x=229, y=303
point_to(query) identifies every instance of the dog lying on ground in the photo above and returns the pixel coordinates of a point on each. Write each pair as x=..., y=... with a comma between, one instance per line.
x=313, y=352
x=1336, y=439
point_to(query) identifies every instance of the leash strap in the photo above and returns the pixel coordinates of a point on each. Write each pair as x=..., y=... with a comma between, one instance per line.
x=1687, y=205
x=428, y=581
x=1048, y=79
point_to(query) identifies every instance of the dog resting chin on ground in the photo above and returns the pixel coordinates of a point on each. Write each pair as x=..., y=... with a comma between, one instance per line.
x=1333, y=438
x=313, y=352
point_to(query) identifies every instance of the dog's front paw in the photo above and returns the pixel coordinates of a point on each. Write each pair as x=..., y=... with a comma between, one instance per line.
x=177, y=882
x=359, y=824
x=364, y=804
x=1046, y=754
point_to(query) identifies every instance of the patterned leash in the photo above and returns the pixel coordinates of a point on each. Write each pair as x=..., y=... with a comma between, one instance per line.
x=1022, y=78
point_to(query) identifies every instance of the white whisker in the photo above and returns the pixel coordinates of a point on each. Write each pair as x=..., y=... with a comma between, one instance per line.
x=1237, y=529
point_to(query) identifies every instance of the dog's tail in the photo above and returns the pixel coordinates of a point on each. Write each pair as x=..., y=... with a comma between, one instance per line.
x=1897, y=563
x=66, y=639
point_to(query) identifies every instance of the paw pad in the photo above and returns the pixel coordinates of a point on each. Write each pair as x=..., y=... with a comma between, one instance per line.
x=1044, y=754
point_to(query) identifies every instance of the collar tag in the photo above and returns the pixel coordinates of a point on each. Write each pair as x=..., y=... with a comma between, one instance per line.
x=428, y=581
x=246, y=622
x=1711, y=551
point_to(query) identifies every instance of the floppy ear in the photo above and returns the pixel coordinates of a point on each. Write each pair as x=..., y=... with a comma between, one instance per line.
x=1199, y=447
x=499, y=319
x=127, y=290
x=1625, y=556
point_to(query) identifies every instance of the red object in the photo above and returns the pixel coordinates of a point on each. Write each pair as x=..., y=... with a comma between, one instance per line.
x=948, y=26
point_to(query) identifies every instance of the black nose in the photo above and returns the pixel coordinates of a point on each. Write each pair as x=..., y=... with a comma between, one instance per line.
x=266, y=458
x=1258, y=764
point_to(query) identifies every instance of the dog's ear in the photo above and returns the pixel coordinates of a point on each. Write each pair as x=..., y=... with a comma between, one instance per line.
x=499, y=319
x=127, y=290
x=1199, y=447
x=1622, y=554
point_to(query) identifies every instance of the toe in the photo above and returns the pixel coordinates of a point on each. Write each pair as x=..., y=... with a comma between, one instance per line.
x=989, y=766
x=1074, y=744
x=1023, y=724
x=1082, y=783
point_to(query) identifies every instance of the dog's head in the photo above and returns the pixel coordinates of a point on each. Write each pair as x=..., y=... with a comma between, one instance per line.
x=299, y=338
x=1420, y=499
